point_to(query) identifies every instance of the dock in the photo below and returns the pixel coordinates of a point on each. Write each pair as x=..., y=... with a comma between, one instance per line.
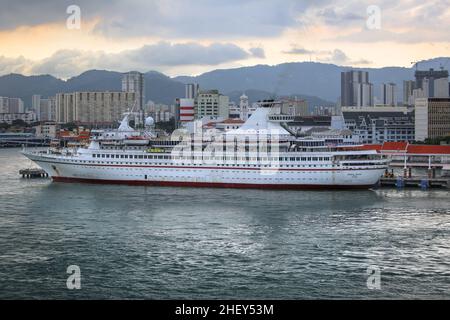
x=33, y=173
x=414, y=182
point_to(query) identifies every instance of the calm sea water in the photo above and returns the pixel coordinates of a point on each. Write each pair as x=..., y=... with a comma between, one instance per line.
x=162, y=243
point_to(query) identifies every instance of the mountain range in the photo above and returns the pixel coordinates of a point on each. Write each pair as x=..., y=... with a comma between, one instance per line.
x=318, y=83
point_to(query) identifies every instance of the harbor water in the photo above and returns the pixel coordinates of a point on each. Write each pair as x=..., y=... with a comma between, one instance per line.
x=177, y=243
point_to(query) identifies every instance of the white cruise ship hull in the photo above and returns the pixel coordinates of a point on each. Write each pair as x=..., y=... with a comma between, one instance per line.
x=68, y=170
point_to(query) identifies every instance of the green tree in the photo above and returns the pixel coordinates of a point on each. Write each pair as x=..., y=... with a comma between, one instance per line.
x=69, y=126
x=19, y=123
x=4, y=126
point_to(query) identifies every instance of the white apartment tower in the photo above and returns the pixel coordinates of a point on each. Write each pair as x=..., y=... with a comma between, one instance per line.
x=133, y=81
x=191, y=90
x=388, y=94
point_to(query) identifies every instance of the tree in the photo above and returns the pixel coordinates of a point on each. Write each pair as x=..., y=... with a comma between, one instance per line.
x=19, y=123
x=4, y=126
x=168, y=126
x=69, y=126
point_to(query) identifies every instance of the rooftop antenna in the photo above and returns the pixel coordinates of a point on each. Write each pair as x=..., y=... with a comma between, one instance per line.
x=416, y=64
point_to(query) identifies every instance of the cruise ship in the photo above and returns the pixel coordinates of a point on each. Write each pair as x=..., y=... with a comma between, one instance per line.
x=263, y=154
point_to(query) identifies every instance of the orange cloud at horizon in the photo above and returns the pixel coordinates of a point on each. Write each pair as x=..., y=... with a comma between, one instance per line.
x=41, y=41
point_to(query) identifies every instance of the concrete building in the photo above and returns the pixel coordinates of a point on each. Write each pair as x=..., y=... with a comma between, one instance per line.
x=234, y=111
x=434, y=83
x=408, y=87
x=47, y=130
x=432, y=118
x=162, y=116
x=134, y=82
x=93, y=107
x=4, y=105
x=211, y=103
x=186, y=110
x=28, y=117
x=379, y=124
x=191, y=90
x=45, y=108
x=243, y=110
x=295, y=107
x=11, y=105
x=36, y=103
x=389, y=94
x=441, y=88
x=356, y=90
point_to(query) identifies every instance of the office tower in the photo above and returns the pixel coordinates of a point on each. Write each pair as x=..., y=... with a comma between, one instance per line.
x=211, y=103
x=432, y=118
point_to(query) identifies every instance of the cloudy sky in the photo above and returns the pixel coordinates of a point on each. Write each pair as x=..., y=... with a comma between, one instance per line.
x=189, y=37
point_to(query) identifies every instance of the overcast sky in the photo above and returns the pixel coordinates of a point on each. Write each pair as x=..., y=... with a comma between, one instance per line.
x=188, y=37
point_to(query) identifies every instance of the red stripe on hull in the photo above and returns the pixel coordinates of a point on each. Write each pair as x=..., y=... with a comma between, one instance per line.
x=212, y=184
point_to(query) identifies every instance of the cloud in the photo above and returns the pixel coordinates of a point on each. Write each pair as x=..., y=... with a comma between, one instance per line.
x=334, y=16
x=167, y=54
x=303, y=51
x=164, y=18
x=335, y=56
x=13, y=65
x=411, y=21
x=339, y=57
x=299, y=51
x=257, y=52
x=160, y=56
x=16, y=13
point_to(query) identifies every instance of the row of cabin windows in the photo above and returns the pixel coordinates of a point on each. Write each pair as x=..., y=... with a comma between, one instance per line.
x=125, y=156
x=237, y=165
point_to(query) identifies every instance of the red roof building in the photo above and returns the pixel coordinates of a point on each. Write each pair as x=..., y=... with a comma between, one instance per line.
x=401, y=148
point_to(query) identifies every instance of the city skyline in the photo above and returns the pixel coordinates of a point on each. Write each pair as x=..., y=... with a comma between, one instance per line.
x=189, y=38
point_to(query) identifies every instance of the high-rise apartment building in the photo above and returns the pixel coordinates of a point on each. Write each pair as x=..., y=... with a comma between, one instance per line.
x=134, y=82
x=93, y=107
x=191, y=90
x=356, y=90
x=408, y=88
x=11, y=105
x=389, y=94
x=45, y=109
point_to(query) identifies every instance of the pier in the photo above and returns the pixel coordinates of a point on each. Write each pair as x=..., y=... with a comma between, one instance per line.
x=33, y=173
x=414, y=182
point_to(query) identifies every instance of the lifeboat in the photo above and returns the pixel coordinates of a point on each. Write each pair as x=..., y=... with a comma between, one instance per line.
x=137, y=140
